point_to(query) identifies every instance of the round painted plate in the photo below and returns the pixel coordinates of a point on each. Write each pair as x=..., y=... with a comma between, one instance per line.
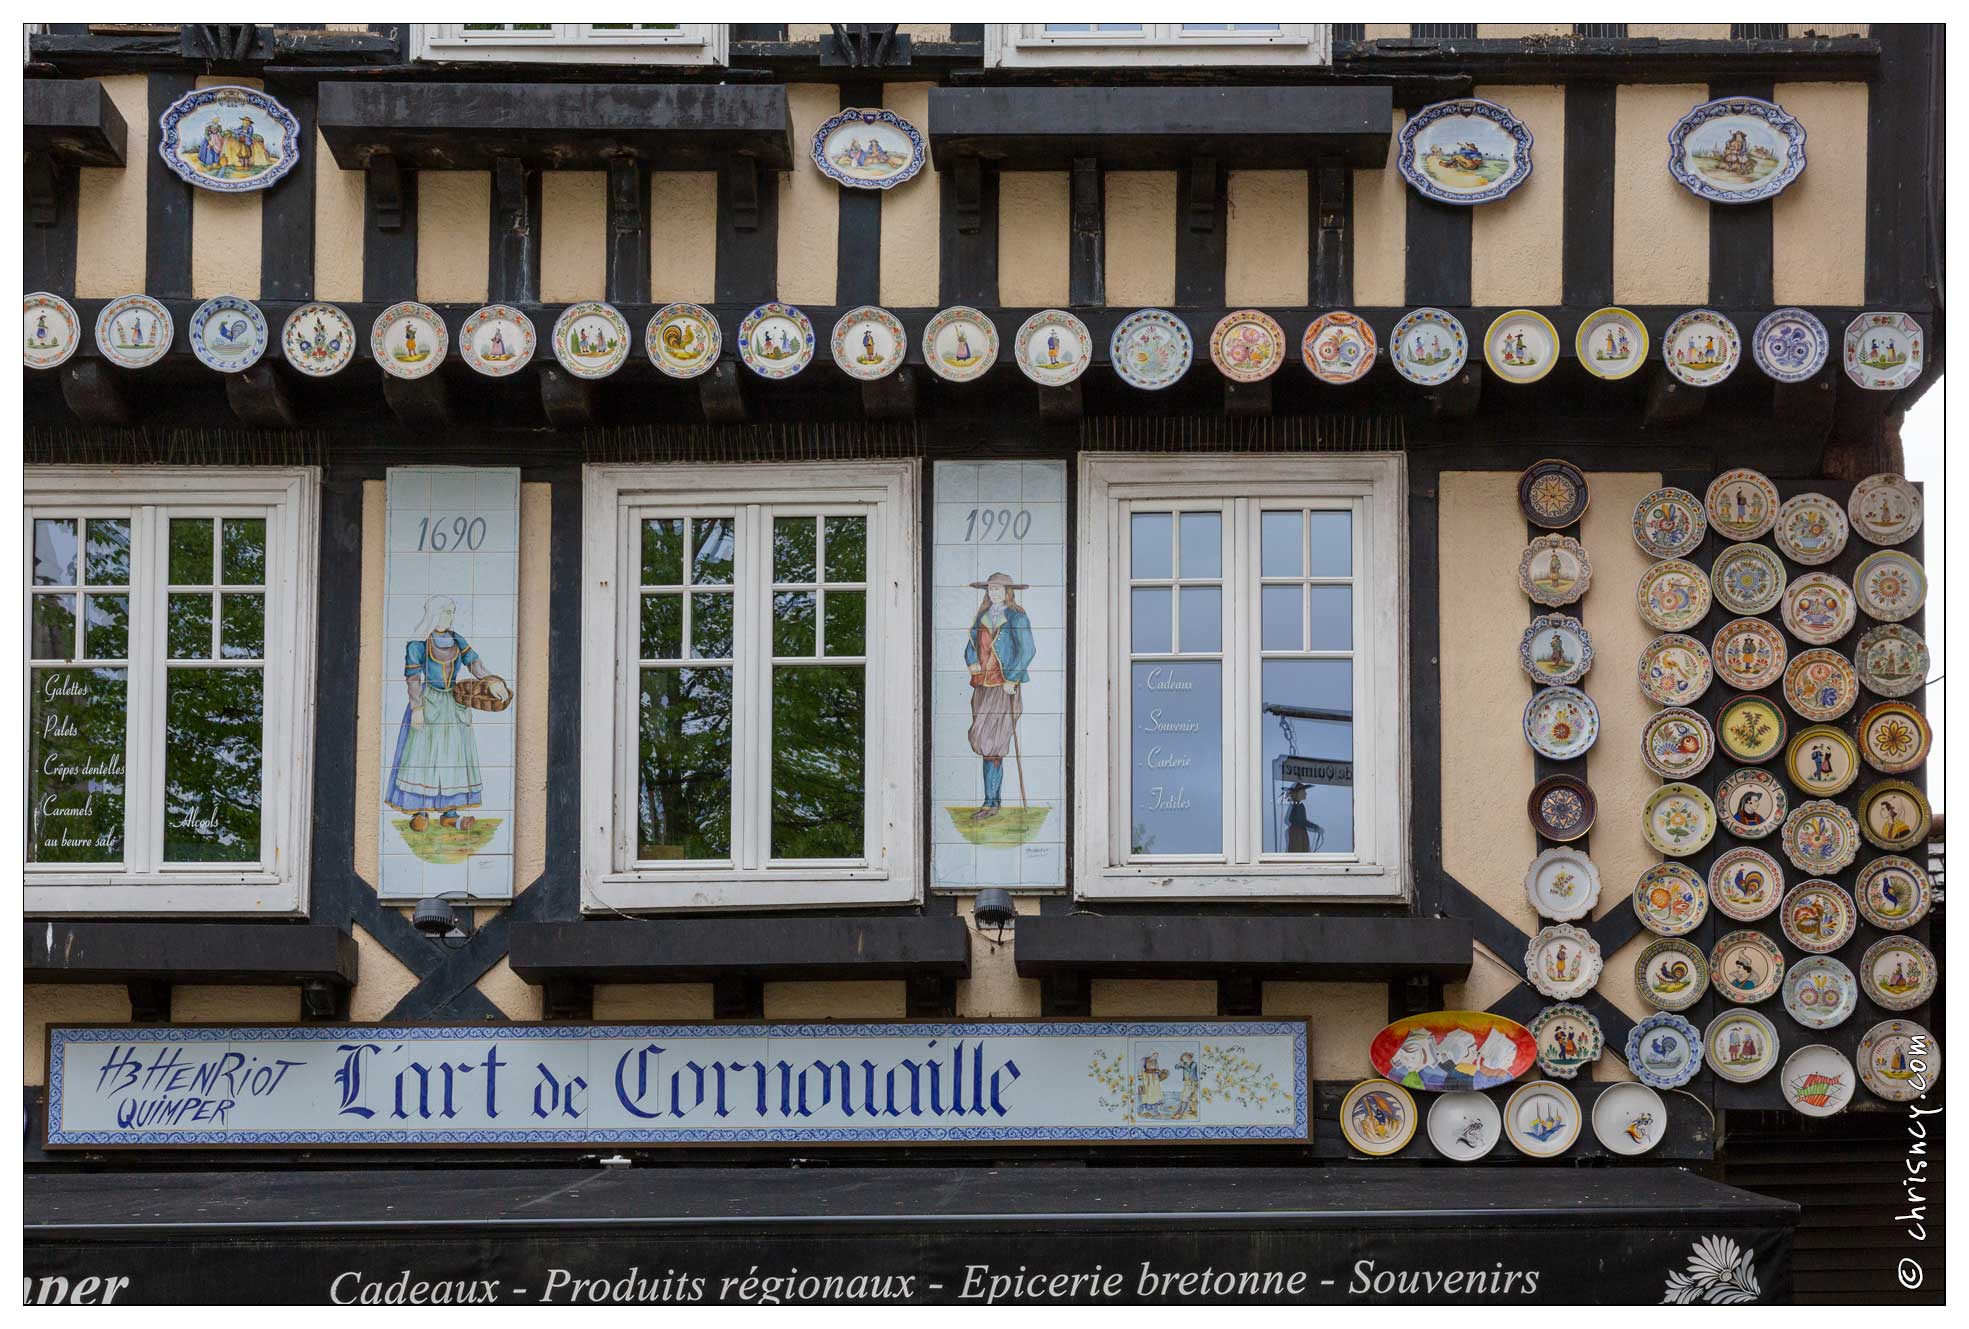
x=960, y=343
x=1885, y=509
x=1745, y=883
x=1563, y=961
x=1464, y=1125
x=1741, y=1046
x=1743, y=504
x=1811, y=529
x=1700, y=348
x=869, y=343
x=1428, y=347
x=1453, y=1050
x=1556, y=649
x=868, y=148
x=1677, y=743
x=318, y=339
x=1790, y=345
x=1150, y=349
x=1822, y=760
x=1750, y=729
x=1669, y=523
x=1555, y=571
x=1745, y=966
x=1247, y=345
x=50, y=330
x=1751, y=803
x=1891, y=585
x=1568, y=1038
x=1736, y=150
x=1819, y=608
x=1670, y=899
x=1629, y=1119
x=1820, y=992
x=1675, y=669
x=1748, y=654
x=496, y=340
x=1672, y=596
x=135, y=331
x=683, y=340
x=1521, y=346
x=1892, y=660
x=1611, y=343
x=1671, y=974
x=1821, y=684
x=1562, y=807
x=1893, y=893
x=1821, y=837
x=1339, y=347
x=1563, y=884
x=1378, y=1117
x=1664, y=1051
x=228, y=334
x=1898, y=1059
x=1542, y=1119
x=409, y=340
x=1464, y=151
x=1894, y=737
x=1898, y=972
x=1747, y=578
x=1678, y=820
x=1883, y=351
x=1818, y=916
x=1818, y=1080
x=1561, y=723
x=776, y=341
x=1895, y=815
x=1553, y=493
x=591, y=339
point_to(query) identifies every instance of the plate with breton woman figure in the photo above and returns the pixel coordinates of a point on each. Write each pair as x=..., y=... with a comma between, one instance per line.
x=1898, y=1060
x=1895, y=815
x=1746, y=967
x=1790, y=345
x=1893, y=893
x=1741, y=1046
x=1556, y=649
x=1675, y=669
x=1820, y=992
x=1670, y=899
x=1892, y=660
x=1745, y=883
x=1673, y=596
x=1821, y=684
x=1811, y=529
x=1428, y=346
x=1898, y=972
x=1822, y=760
x=1521, y=346
x=1700, y=348
x=1751, y=803
x=1611, y=343
x=1669, y=523
x=1748, y=578
x=1743, y=504
x=1885, y=509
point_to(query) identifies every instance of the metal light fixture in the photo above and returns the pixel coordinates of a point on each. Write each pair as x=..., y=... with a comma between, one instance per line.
x=437, y=918
x=994, y=909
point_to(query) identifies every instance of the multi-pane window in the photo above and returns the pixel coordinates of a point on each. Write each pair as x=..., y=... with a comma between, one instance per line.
x=1028, y=44
x=599, y=43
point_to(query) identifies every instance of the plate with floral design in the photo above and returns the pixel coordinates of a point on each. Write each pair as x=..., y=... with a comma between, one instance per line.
x=683, y=340
x=1892, y=660
x=1885, y=509
x=1675, y=669
x=1822, y=760
x=1899, y=973
x=1899, y=1060
x=1891, y=585
x=1821, y=684
x=1247, y=345
x=1895, y=815
x=318, y=339
x=228, y=334
x=1893, y=893
x=1464, y=1125
x=1378, y=1117
x=1818, y=916
x=1672, y=596
x=1563, y=961
x=1150, y=349
x=1821, y=837
x=1556, y=649
x=135, y=331
x=1542, y=1119
x=1563, y=884
x=1677, y=743
x=1701, y=348
x=1736, y=150
x=1745, y=966
x=1748, y=578
x=1671, y=974
x=1464, y=151
x=1750, y=729
x=1521, y=346
x=1339, y=347
x=1819, y=608
x=1883, y=351
x=1741, y=1046
x=1664, y=1051
x=1894, y=737
x=409, y=340
x=1751, y=803
x=1811, y=529
x=1611, y=343
x=1743, y=504
x=1820, y=992
x=776, y=340
x=1748, y=654
x=1555, y=571
x=1818, y=1080
x=1561, y=723
x=960, y=344
x=591, y=339
x=1562, y=807
x=1745, y=883
x=868, y=343
x=496, y=340
x=1678, y=820
x=1553, y=493
x=1568, y=1038
x=50, y=330
x=1790, y=345
x=1670, y=899
x=1428, y=346
x=1629, y=1119
x=1668, y=523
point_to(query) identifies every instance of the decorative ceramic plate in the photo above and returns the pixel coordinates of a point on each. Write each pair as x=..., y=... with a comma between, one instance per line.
x=229, y=139
x=868, y=148
x=1818, y=916
x=1819, y=608
x=1736, y=150
x=1822, y=760
x=1820, y=992
x=1883, y=351
x=1895, y=815
x=1464, y=1125
x=591, y=339
x=1894, y=737
x=1378, y=1117
x=1745, y=966
x=1521, y=346
x=1741, y=1046
x=1821, y=837
x=1790, y=345
x=1885, y=509
x=1568, y=1037
x=1553, y=493
x=1338, y=347
x=1821, y=684
x=1150, y=349
x=1818, y=1080
x=1748, y=654
x=1563, y=884
x=1743, y=504
x=1678, y=820
x=1750, y=729
x=1677, y=743
x=1701, y=348
x=228, y=334
x=496, y=340
x=50, y=330
x=1247, y=345
x=1563, y=961
x=1670, y=899
x=1556, y=649
x=960, y=343
x=1669, y=523
x=1664, y=1051
x=1899, y=973
x=1891, y=585
x=1671, y=974
x=1562, y=807
x=1751, y=803
x=1629, y=1119
x=135, y=331
x=1675, y=669
x=776, y=341
x=1561, y=723
x=1747, y=578
x=1892, y=660
x=318, y=339
x=1745, y=883
x=409, y=340
x=1453, y=1050
x=1542, y=1119
x=1898, y=1060
x=1555, y=571
x=1464, y=151
x=1428, y=347
x=1611, y=343
x=683, y=340
x=1672, y=596
x=868, y=343
x=1811, y=529
x=1893, y=893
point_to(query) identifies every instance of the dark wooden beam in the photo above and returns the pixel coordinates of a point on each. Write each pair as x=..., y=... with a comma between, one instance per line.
x=94, y=391
x=167, y=204
x=627, y=280
x=513, y=249
x=1331, y=266
x=1201, y=232
x=1334, y=948
x=786, y=948
x=1740, y=244
x=1585, y=226
x=1087, y=254
x=287, y=241
x=79, y=950
x=258, y=396
x=72, y=121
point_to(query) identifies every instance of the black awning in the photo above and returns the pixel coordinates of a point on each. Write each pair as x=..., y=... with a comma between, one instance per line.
x=73, y=121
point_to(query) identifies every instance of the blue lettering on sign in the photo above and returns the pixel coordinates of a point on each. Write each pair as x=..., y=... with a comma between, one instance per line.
x=969, y=1090
x=172, y=1089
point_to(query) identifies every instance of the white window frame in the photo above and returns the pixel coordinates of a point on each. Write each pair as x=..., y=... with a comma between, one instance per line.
x=1029, y=45
x=1373, y=487
x=289, y=498
x=574, y=43
x=615, y=499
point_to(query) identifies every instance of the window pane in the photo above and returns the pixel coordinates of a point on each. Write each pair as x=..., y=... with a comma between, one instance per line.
x=1333, y=544
x=1281, y=541
x=1149, y=628
x=243, y=627
x=75, y=727
x=847, y=616
x=189, y=626
x=711, y=626
x=1306, y=727
x=795, y=540
x=191, y=551
x=1203, y=618
x=245, y=551
x=212, y=760
x=1177, y=753
x=54, y=627
x=54, y=552
x=663, y=551
x=847, y=549
x=1230, y=27
x=1279, y=618
x=1203, y=544
x=109, y=551
x=663, y=626
x=793, y=624
x=1333, y=618
x=818, y=718
x=1148, y=546
x=106, y=630
x=683, y=800
x=713, y=545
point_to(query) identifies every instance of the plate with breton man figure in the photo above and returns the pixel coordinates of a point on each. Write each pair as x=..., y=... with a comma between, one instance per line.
x=1892, y=660
x=1555, y=571
x=1822, y=760
x=1885, y=509
x=1741, y=1046
x=1556, y=649
x=1743, y=504
x=1746, y=967
x=1748, y=654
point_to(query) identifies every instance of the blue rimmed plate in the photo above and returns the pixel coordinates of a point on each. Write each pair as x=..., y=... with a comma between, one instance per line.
x=228, y=138
x=1464, y=151
x=1150, y=349
x=1736, y=150
x=776, y=341
x=1664, y=1051
x=1428, y=346
x=1790, y=344
x=228, y=334
x=868, y=148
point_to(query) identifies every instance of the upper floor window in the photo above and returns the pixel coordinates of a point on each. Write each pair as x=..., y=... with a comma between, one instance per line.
x=572, y=43
x=1029, y=44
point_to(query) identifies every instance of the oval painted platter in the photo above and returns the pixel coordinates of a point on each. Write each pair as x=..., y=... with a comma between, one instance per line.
x=228, y=334
x=1673, y=596
x=1899, y=1060
x=1818, y=916
x=591, y=339
x=1745, y=966
x=1745, y=883
x=776, y=340
x=1445, y=1050
x=1378, y=1117
x=1629, y=1119
x=1892, y=660
x=1748, y=653
x=1677, y=743
x=869, y=343
x=1885, y=509
x=1741, y=1046
x=1542, y=1119
x=1150, y=349
x=1743, y=504
x=868, y=148
x=1821, y=837
x=1701, y=348
x=1562, y=807
x=1562, y=884
x=1898, y=972
x=1561, y=723
x=496, y=340
x=1675, y=669
x=1736, y=150
x=1891, y=585
x=1555, y=650
x=1820, y=992
x=1611, y=343
x=1671, y=974
x=1678, y=820
x=1553, y=493
x=1818, y=1080
x=1563, y=961
x=1821, y=684
x=1790, y=345
x=1894, y=815
x=1428, y=346
x=1748, y=578
x=1248, y=345
x=1811, y=529
x=683, y=340
x=1521, y=346
x=1464, y=151
x=1339, y=347
x=50, y=330
x=1894, y=737
x=1664, y=1051
x=1554, y=570
x=1569, y=1037
x=1819, y=608
x=1668, y=523
x=1464, y=1125
x=1883, y=351
x=1822, y=760
x=960, y=343
x=229, y=139
x=1893, y=893
x=135, y=331
x=409, y=340
x=1750, y=803
x=1670, y=899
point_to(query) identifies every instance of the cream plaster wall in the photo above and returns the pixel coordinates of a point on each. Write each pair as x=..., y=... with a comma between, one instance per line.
x=911, y=259
x=653, y=1001
x=1515, y=254
x=1491, y=977
x=382, y=980
x=1827, y=29
x=1140, y=226
x=1035, y=236
x=194, y=1003
x=1818, y=224
x=1522, y=30
x=867, y=1000
x=110, y=202
x=994, y=990
x=225, y=231
x=1381, y=230
x=530, y=735
x=43, y=1004
x=454, y=236
x=1266, y=242
x=1660, y=229
x=683, y=229
x=1345, y=1016
x=516, y=998
x=1698, y=31
x=338, y=206
x=809, y=205
x=1114, y=998
x=573, y=236
x=1372, y=30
